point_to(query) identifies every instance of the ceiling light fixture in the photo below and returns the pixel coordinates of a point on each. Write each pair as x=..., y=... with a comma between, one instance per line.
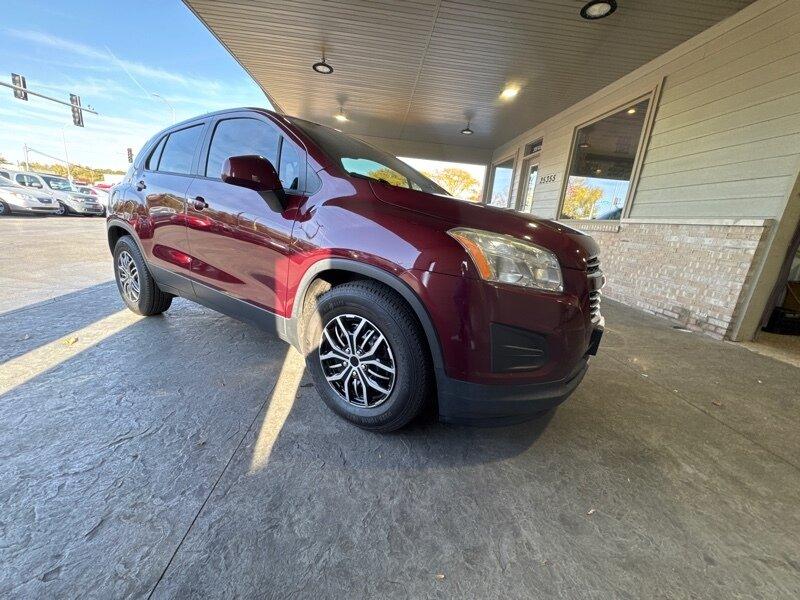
x=597, y=9
x=467, y=130
x=322, y=67
x=340, y=116
x=631, y=111
x=510, y=91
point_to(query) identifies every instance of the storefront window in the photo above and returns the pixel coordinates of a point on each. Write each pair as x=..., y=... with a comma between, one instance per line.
x=500, y=192
x=602, y=165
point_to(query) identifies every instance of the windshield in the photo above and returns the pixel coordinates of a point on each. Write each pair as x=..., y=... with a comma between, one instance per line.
x=362, y=160
x=58, y=183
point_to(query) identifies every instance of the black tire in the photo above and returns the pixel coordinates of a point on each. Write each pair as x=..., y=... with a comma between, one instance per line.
x=151, y=300
x=386, y=310
x=5, y=209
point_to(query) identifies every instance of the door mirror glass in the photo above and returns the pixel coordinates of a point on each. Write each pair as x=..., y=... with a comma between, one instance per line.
x=251, y=171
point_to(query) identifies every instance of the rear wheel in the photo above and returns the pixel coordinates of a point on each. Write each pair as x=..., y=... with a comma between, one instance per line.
x=5, y=209
x=139, y=291
x=367, y=354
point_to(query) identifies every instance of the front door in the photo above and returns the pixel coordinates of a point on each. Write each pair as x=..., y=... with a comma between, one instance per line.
x=240, y=239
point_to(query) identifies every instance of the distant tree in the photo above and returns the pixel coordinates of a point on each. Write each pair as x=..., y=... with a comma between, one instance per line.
x=458, y=182
x=79, y=172
x=389, y=176
x=580, y=199
x=3, y=160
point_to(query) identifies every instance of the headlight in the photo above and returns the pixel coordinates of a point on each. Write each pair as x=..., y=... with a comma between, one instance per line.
x=506, y=259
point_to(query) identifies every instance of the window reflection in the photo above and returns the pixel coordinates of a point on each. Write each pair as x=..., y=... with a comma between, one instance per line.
x=500, y=193
x=602, y=165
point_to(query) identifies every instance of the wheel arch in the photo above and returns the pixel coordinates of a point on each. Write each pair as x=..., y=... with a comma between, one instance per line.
x=116, y=229
x=340, y=270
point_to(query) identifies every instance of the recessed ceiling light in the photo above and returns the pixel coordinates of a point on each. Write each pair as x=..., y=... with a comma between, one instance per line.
x=631, y=111
x=467, y=130
x=322, y=67
x=340, y=116
x=597, y=9
x=510, y=91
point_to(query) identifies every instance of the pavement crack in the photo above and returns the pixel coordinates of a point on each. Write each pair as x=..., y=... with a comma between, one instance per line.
x=213, y=488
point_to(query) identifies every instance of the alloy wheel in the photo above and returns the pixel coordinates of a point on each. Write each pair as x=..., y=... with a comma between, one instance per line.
x=128, y=276
x=357, y=360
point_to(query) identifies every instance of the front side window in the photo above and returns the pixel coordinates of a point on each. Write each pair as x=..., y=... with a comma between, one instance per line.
x=289, y=172
x=500, y=191
x=602, y=165
x=179, y=150
x=241, y=137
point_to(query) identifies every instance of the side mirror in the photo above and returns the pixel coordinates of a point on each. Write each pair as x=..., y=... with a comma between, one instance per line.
x=252, y=171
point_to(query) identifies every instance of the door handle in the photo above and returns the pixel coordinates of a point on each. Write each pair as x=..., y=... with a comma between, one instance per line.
x=141, y=185
x=199, y=203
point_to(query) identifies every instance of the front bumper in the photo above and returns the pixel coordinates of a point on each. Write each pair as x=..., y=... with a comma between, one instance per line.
x=85, y=209
x=468, y=403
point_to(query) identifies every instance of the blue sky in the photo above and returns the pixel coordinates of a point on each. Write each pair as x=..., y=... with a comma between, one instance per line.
x=97, y=49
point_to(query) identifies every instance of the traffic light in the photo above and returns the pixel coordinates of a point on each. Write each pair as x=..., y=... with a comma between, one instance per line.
x=19, y=81
x=130, y=155
x=77, y=113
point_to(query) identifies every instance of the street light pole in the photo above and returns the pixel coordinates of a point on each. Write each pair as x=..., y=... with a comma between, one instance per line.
x=25, y=149
x=66, y=154
x=164, y=100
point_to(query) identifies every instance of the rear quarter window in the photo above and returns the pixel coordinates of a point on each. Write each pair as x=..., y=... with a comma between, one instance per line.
x=179, y=150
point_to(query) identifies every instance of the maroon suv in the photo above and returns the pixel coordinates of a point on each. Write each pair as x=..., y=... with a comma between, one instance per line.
x=396, y=293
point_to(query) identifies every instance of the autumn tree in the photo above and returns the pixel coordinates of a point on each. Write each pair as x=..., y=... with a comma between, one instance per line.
x=458, y=182
x=580, y=199
x=79, y=172
x=389, y=176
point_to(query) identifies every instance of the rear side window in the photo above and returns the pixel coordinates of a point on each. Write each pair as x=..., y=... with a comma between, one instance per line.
x=155, y=156
x=240, y=137
x=179, y=150
x=5, y=174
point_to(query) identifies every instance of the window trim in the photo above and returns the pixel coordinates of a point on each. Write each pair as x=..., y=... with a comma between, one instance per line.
x=193, y=165
x=653, y=95
x=283, y=136
x=487, y=192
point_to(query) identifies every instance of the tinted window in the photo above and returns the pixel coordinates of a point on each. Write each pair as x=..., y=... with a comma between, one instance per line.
x=179, y=150
x=240, y=137
x=290, y=167
x=603, y=158
x=155, y=155
x=29, y=181
x=5, y=174
x=59, y=184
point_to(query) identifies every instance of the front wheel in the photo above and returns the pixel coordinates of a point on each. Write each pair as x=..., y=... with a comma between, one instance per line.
x=5, y=209
x=62, y=211
x=368, y=355
x=139, y=291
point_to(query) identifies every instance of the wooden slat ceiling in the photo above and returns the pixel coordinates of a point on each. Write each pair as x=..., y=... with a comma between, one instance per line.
x=416, y=69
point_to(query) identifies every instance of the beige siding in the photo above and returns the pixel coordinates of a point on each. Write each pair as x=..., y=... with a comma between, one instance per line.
x=726, y=136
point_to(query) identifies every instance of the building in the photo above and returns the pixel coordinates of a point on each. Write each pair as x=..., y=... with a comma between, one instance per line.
x=668, y=131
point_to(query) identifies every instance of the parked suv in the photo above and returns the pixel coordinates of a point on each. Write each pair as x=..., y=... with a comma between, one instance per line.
x=396, y=293
x=62, y=191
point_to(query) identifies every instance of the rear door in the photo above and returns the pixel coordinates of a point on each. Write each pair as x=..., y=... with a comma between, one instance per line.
x=160, y=184
x=240, y=239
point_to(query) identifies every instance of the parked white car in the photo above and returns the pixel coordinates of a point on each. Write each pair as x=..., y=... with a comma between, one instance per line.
x=100, y=195
x=15, y=199
x=61, y=190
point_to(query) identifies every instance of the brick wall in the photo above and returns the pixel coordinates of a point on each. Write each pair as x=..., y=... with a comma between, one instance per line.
x=692, y=274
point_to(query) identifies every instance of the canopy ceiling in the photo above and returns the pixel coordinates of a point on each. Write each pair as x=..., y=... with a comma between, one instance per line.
x=416, y=70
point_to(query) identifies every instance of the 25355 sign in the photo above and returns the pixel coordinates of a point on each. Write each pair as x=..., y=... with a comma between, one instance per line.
x=548, y=178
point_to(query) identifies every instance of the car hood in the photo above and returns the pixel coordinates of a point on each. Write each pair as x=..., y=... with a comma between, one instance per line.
x=571, y=246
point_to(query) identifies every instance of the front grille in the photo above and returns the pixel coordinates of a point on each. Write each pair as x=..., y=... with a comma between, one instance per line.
x=593, y=265
x=596, y=281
